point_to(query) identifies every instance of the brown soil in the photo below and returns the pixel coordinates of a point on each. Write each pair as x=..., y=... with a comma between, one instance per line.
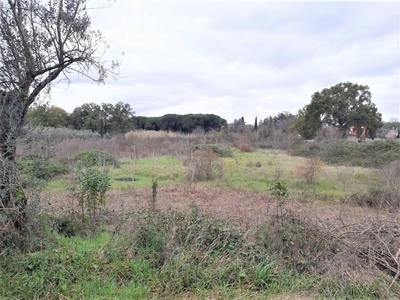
x=251, y=209
x=237, y=205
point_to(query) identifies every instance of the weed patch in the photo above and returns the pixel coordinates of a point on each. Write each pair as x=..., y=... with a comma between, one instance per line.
x=244, y=145
x=377, y=198
x=221, y=151
x=96, y=158
x=182, y=253
x=203, y=164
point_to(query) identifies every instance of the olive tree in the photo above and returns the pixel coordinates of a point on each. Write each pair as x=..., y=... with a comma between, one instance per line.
x=40, y=41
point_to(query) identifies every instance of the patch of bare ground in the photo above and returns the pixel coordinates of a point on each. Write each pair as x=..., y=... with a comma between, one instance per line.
x=348, y=241
x=238, y=205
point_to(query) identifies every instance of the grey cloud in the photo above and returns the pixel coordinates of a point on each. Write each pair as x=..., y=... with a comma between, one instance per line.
x=235, y=59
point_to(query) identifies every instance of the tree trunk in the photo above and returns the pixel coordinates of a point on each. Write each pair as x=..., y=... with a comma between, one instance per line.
x=12, y=198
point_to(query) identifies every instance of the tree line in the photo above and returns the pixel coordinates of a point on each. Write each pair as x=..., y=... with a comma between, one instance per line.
x=106, y=118
x=342, y=106
x=101, y=118
x=180, y=123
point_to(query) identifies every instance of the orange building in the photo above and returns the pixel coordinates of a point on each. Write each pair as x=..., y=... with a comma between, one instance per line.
x=353, y=134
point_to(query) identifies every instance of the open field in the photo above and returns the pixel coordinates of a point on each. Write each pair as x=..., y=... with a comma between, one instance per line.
x=240, y=207
x=194, y=224
x=250, y=171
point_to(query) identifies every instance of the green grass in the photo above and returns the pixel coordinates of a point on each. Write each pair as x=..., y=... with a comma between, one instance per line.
x=80, y=268
x=203, y=257
x=164, y=169
x=178, y=255
x=252, y=171
x=333, y=181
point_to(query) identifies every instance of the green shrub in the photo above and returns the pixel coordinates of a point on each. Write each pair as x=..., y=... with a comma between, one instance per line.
x=306, y=149
x=371, y=154
x=301, y=245
x=58, y=134
x=91, y=185
x=41, y=168
x=222, y=151
x=376, y=154
x=96, y=158
x=190, y=230
x=70, y=224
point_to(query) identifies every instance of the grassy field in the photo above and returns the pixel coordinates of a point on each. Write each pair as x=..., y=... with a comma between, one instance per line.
x=252, y=171
x=210, y=228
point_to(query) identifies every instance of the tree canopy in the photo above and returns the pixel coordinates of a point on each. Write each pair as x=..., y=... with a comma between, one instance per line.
x=40, y=41
x=180, y=123
x=341, y=106
x=102, y=118
x=46, y=115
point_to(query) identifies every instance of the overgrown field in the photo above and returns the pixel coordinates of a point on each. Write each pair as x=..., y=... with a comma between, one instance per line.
x=207, y=216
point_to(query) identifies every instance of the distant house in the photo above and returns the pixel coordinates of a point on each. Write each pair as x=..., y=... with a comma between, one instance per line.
x=353, y=136
x=393, y=133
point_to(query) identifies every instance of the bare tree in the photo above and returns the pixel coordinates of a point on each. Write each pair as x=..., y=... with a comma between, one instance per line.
x=39, y=42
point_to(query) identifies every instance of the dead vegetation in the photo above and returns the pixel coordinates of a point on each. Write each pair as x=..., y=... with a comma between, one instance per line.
x=336, y=239
x=357, y=239
x=202, y=165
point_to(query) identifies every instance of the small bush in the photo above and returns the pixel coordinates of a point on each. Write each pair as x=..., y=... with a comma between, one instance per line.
x=160, y=236
x=41, y=168
x=203, y=164
x=278, y=189
x=244, y=145
x=309, y=169
x=96, y=158
x=302, y=246
x=69, y=224
x=378, y=198
x=91, y=185
x=217, y=149
x=391, y=174
x=306, y=149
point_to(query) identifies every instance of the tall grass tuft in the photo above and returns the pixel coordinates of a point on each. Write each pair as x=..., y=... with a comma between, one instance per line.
x=203, y=164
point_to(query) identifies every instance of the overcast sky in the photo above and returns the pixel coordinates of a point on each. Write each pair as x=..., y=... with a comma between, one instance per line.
x=237, y=59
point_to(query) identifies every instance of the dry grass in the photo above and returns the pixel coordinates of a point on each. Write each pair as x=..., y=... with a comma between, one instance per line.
x=237, y=205
x=118, y=147
x=356, y=242
x=149, y=134
x=247, y=295
x=135, y=144
x=244, y=144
